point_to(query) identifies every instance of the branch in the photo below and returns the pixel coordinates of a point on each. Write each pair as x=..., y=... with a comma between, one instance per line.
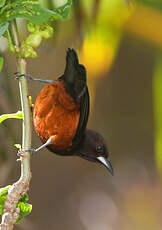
x=11, y=213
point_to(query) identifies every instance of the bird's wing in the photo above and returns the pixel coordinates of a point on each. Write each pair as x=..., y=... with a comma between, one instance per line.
x=84, y=114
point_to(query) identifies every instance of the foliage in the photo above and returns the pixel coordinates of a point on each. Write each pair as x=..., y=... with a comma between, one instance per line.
x=34, y=39
x=37, y=17
x=2, y=3
x=3, y=27
x=3, y=194
x=18, y=146
x=32, y=11
x=25, y=208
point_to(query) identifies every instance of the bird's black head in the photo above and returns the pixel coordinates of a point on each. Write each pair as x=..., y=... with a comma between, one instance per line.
x=93, y=148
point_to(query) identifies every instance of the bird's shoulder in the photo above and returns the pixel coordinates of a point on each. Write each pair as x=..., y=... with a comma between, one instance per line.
x=65, y=99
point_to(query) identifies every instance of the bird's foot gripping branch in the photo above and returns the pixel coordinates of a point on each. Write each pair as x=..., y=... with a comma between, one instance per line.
x=13, y=198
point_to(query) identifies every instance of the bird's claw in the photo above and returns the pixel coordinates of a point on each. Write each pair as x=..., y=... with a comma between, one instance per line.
x=20, y=154
x=18, y=75
x=32, y=151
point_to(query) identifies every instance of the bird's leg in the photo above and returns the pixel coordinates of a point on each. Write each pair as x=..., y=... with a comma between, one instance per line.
x=48, y=142
x=30, y=78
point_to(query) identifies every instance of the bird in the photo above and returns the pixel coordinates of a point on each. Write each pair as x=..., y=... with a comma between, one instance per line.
x=61, y=112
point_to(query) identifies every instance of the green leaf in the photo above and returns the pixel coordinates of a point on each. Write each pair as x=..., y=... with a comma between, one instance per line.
x=17, y=115
x=4, y=191
x=1, y=63
x=18, y=146
x=26, y=9
x=32, y=11
x=25, y=209
x=64, y=10
x=3, y=194
x=2, y=3
x=3, y=28
x=24, y=198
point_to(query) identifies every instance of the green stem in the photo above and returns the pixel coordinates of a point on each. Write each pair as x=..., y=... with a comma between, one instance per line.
x=14, y=33
x=11, y=213
x=27, y=127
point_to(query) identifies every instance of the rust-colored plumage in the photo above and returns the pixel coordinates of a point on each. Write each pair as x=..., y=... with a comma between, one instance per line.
x=56, y=114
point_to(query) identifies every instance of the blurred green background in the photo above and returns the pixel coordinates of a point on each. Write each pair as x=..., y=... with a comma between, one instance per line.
x=120, y=43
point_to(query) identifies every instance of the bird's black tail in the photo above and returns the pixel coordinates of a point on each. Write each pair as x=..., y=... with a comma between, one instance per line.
x=72, y=64
x=74, y=75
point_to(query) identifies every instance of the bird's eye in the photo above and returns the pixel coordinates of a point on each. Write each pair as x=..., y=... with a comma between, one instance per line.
x=99, y=148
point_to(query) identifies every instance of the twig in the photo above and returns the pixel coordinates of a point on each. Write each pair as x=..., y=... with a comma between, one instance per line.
x=11, y=213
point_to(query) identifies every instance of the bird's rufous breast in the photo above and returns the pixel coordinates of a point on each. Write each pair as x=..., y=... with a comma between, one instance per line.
x=55, y=113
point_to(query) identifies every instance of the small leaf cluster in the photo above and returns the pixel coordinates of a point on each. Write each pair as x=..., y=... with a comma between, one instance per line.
x=30, y=10
x=34, y=39
x=3, y=194
x=25, y=208
x=37, y=17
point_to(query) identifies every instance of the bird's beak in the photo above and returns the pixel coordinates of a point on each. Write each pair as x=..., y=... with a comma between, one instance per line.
x=107, y=164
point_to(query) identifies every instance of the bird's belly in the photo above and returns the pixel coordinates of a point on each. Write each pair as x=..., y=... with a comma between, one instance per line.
x=52, y=118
